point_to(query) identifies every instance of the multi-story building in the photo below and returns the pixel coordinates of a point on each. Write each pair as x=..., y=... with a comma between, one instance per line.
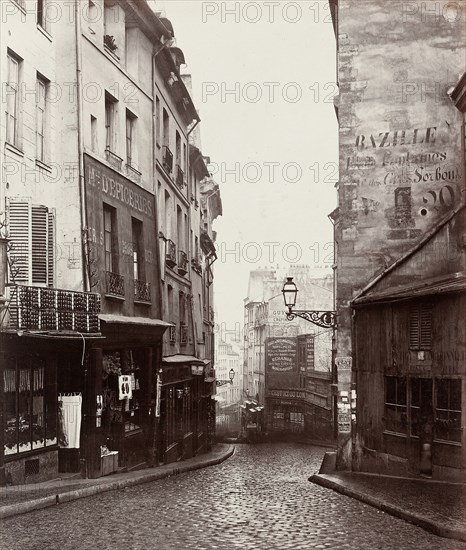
x=97, y=183
x=228, y=394
x=287, y=364
x=401, y=179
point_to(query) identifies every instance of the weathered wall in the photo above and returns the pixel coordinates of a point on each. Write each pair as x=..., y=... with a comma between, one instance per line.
x=401, y=166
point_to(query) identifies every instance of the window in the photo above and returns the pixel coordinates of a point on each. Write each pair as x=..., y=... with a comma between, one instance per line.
x=94, y=142
x=41, y=118
x=29, y=404
x=421, y=403
x=110, y=122
x=42, y=13
x=178, y=149
x=32, y=234
x=138, y=265
x=420, y=326
x=447, y=425
x=130, y=131
x=166, y=129
x=157, y=120
x=111, y=262
x=395, y=404
x=12, y=100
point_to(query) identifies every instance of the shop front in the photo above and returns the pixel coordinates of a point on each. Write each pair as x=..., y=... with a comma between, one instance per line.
x=285, y=413
x=184, y=425
x=119, y=400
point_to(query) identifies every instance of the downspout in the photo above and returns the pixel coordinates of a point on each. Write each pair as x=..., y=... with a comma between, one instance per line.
x=82, y=189
x=189, y=242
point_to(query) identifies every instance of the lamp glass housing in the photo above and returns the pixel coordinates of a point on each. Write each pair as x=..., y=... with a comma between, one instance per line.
x=231, y=374
x=289, y=292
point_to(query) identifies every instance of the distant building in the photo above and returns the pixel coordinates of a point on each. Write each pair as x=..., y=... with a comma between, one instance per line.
x=297, y=396
x=228, y=396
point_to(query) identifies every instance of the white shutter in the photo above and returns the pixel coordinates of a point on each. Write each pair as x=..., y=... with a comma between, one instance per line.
x=51, y=249
x=20, y=230
x=39, y=244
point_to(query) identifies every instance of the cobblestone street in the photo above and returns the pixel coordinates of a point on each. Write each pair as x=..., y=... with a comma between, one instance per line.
x=258, y=499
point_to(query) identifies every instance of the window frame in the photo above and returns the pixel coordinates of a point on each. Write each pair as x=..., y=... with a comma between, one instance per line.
x=111, y=118
x=12, y=87
x=42, y=114
x=449, y=412
x=110, y=239
x=399, y=407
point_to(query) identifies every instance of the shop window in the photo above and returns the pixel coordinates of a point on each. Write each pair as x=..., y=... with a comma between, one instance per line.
x=421, y=404
x=447, y=425
x=30, y=405
x=420, y=326
x=395, y=404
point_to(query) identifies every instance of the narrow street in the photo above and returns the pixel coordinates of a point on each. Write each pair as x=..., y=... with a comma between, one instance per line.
x=260, y=498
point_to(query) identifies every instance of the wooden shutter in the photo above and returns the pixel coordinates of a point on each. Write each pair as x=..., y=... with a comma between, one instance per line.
x=425, y=326
x=20, y=228
x=39, y=244
x=420, y=326
x=51, y=249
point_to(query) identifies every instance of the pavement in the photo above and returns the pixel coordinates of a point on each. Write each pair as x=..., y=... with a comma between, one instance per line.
x=437, y=507
x=259, y=499
x=20, y=499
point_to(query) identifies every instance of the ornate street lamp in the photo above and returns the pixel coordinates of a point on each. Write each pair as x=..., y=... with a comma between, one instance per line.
x=325, y=319
x=231, y=375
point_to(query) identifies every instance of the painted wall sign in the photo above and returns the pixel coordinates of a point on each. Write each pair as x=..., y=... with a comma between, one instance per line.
x=281, y=354
x=290, y=394
x=110, y=184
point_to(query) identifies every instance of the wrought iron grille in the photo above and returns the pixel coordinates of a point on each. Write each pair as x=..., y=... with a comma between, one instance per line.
x=167, y=158
x=141, y=291
x=183, y=334
x=182, y=262
x=115, y=284
x=172, y=334
x=179, y=176
x=170, y=256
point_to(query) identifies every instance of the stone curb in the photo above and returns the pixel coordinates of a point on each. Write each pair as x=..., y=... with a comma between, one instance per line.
x=68, y=496
x=409, y=516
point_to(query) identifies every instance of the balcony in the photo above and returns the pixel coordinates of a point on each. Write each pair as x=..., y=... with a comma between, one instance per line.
x=179, y=179
x=133, y=174
x=182, y=263
x=142, y=292
x=197, y=267
x=46, y=309
x=172, y=334
x=183, y=335
x=167, y=159
x=115, y=285
x=170, y=255
x=113, y=159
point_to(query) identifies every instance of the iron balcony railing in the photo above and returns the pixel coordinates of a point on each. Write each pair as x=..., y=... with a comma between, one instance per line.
x=142, y=291
x=183, y=334
x=182, y=262
x=172, y=334
x=179, y=177
x=197, y=267
x=170, y=256
x=115, y=284
x=167, y=159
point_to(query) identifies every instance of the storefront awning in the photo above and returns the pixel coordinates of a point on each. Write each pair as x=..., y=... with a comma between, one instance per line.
x=123, y=320
x=187, y=359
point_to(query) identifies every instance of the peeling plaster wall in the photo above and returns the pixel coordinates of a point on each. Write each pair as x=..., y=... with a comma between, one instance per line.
x=401, y=159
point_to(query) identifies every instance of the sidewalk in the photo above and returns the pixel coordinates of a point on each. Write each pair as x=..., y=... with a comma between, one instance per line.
x=437, y=507
x=20, y=499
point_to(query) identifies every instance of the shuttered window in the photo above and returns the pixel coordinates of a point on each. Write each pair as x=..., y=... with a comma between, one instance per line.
x=32, y=234
x=420, y=326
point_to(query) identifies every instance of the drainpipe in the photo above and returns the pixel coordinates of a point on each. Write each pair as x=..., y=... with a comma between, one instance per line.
x=82, y=189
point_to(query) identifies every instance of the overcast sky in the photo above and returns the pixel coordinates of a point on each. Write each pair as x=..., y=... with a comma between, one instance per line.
x=273, y=141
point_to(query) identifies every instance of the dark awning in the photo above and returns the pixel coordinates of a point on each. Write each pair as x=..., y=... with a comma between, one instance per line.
x=186, y=359
x=124, y=320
